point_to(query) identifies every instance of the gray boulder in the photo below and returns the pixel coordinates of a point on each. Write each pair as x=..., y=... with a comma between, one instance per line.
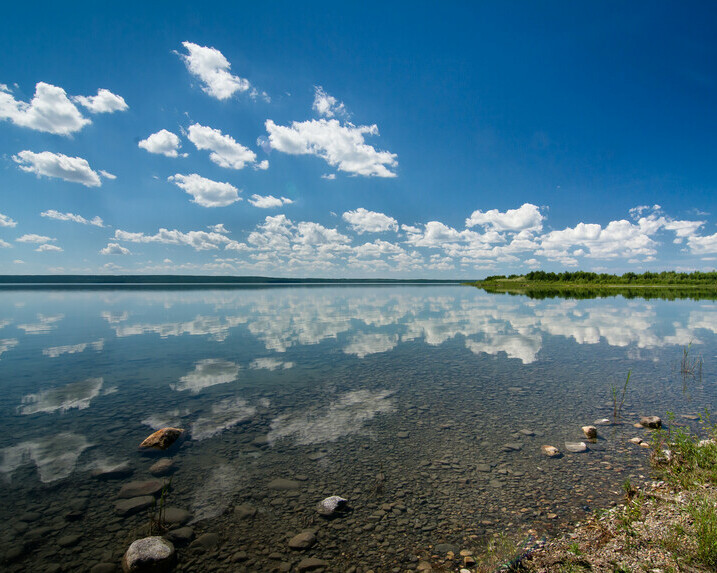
x=329, y=506
x=149, y=555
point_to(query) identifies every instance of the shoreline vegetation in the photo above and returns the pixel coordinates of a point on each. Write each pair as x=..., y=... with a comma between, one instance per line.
x=666, y=524
x=667, y=285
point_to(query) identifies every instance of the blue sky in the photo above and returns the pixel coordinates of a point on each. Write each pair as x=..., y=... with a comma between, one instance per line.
x=358, y=140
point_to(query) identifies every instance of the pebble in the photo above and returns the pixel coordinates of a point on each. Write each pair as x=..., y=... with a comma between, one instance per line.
x=176, y=516
x=134, y=505
x=162, y=467
x=140, y=488
x=652, y=422
x=206, y=540
x=69, y=540
x=311, y=564
x=304, y=540
x=181, y=535
x=576, y=447
x=550, y=451
x=283, y=484
x=590, y=432
x=244, y=511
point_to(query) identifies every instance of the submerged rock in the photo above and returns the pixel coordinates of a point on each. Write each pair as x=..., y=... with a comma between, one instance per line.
x=138, y=488
x=283, y=484
x=150, y=554
x=304, y=540
x=652, y=422
x=576, y=447
x=550, y=451
x=162, y=439
x=162, y=467
x=329, y=506
x=590, y=432
x=244, y=511
x=112, y=471
x=311, y=564
x=135, y=505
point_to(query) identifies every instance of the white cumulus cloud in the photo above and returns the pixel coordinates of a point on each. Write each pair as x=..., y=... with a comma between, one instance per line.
x=33, y=238
x=73, y=169
x=212, y=69
x=268, y=201
x=525, y=218
x=52, y=214
x=6, y=221
x=206, y=192
x=163, y=142
x=50, y=110
x=104, y=102
x=47, y=248
x=225, y=151
x=198, y=240
x=341, y=146
x=114, y=249
x=327, y=105
x=364, y=221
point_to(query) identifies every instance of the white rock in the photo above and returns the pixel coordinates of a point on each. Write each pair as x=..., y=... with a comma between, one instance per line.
x=150, y=554
x=576, y=447
x=329, y=505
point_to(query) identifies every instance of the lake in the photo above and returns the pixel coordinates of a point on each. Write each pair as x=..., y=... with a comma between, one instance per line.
x=424, y=406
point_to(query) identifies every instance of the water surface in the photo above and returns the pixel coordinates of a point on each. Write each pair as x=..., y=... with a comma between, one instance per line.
x=408, y=401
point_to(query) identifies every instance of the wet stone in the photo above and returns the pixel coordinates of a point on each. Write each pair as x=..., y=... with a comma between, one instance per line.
x=180, y=536
x=311, y=564
x=576, y=447
x=403, y=435
x=176, y=516
x=162, y=467
x=206, y=540
x=652, y=422
x=283, y=484
x=485, y=468
x=134, y=505
x=140, y=488
x=304, y=540
x=511, y=447
x=118, y=471
x=244, y=511
x=151, y=554
x=69, y=540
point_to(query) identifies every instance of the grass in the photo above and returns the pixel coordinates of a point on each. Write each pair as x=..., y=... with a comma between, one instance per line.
x=617, y=403
x=704, y=517
x=157, y=523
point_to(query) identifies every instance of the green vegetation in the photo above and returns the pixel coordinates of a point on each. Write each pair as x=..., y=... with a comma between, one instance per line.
x=581, y=284
x=617, y=403
x=689, y=463
x=584, y=277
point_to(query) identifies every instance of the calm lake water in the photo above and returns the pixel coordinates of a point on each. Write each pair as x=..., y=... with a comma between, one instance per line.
x=408, y=401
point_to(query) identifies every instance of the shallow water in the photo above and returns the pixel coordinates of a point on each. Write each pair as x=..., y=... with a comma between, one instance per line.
x=400, y=399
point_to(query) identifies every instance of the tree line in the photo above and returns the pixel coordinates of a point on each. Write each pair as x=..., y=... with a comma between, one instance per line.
x=584, y=277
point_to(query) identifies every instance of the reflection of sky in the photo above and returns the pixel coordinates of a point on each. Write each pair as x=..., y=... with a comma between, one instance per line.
x=345, y=415
x=7, y=344
x=55, y=455
x=365, y=322
x=75, y=395
x=208, y=372
x=55, y=351
x=224, y=415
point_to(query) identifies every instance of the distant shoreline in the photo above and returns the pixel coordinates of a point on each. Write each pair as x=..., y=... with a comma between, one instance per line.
x=186, y=280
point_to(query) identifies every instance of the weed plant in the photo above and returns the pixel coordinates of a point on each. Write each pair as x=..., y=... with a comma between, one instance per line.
x=618, y=399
